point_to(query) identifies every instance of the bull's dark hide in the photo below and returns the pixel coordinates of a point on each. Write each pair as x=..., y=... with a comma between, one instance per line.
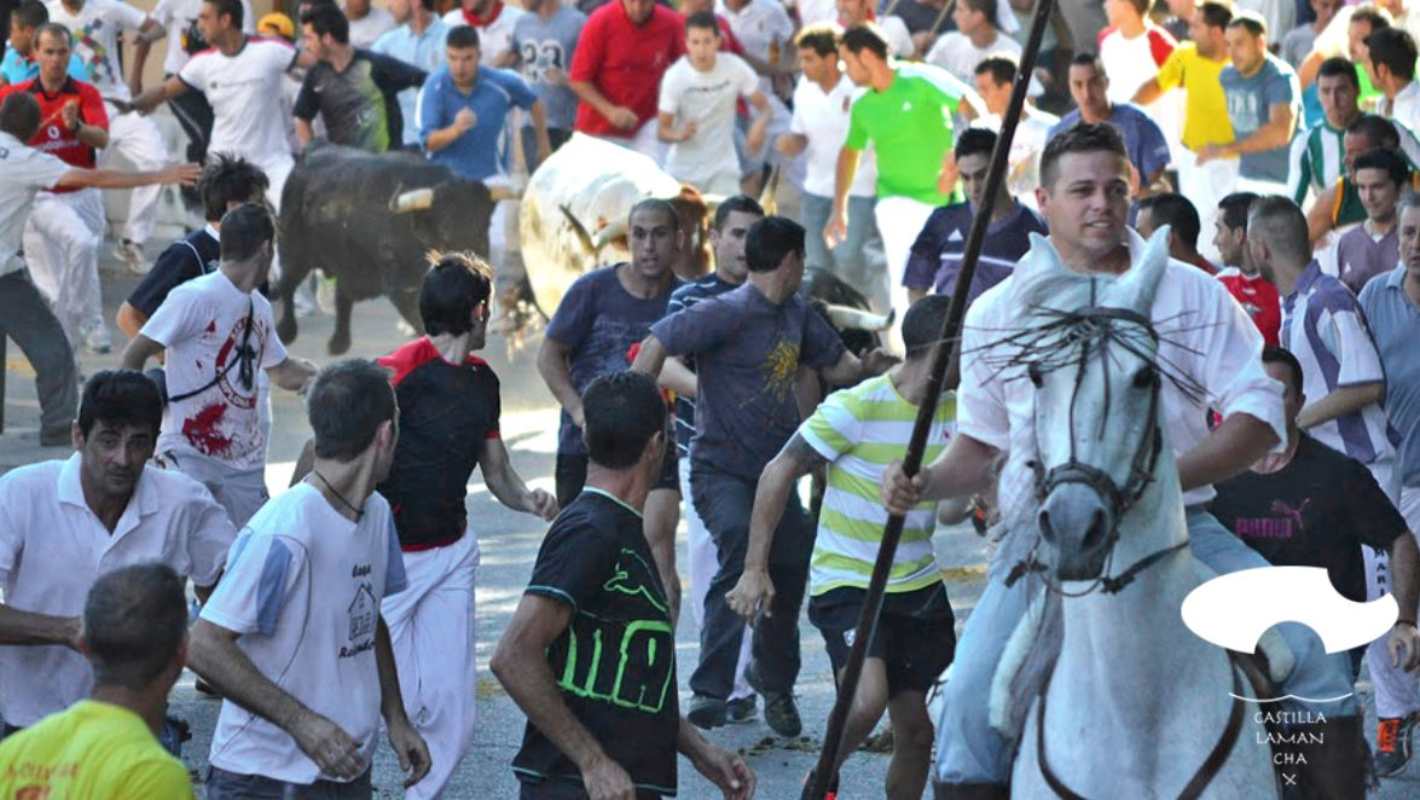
x=821, y=287
x=336, y=216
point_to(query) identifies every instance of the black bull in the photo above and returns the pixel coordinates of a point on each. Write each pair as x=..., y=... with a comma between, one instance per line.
x=337, y=215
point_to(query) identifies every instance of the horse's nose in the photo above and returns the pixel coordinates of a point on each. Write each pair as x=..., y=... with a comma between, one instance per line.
x=1074, y=518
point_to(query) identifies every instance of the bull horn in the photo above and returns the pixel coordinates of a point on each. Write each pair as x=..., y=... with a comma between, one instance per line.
x=607, y=235
x=578, y=229
x=413, y=200
x=847, y=317
x=501, y=192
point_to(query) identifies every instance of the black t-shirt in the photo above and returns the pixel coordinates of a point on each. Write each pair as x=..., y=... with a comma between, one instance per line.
x=360, y=105
x=1315, y=512
x=615, y=663
x=446, y=413
x=190, y=257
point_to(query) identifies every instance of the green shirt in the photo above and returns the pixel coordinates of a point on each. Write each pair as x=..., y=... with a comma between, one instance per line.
x=910, y=127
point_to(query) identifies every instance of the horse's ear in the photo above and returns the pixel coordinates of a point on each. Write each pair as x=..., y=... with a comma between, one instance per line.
x=1040, y=259
x=1137, y=286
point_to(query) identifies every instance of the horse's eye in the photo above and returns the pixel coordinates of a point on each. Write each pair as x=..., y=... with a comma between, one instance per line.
x=1033, y=371
x=1146, y=378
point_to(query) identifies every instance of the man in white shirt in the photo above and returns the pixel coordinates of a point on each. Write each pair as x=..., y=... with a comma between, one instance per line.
x=894, y=30
x=765, y=32
x=1393, y=53
x=293, y=638
x=367, y=22
x=978, y=36
x=96, y=25
x=994, y=78
x=696, y=111
x=822, y=101
x=495, y=22
x=218, y=331
x=24, y=314
x=64, y=523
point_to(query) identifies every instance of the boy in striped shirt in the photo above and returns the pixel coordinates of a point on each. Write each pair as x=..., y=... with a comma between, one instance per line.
x=857, y=432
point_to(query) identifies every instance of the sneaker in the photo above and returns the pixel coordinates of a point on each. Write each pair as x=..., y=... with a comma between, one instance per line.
x=131, y=254
x=706, y=712
x=1393, y=745
x=741, y=710
x=780, y=711
x=97, y=341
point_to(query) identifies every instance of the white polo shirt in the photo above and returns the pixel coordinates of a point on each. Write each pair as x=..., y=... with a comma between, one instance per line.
x=823, y=119
x=495, y=38
x=53, y=547
x=24, y=172
x=246, y=92
x=1206, y=336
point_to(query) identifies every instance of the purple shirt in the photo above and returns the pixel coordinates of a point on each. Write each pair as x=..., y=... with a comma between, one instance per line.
x=937, y=254
x=1148, y=151
x=1360, y=256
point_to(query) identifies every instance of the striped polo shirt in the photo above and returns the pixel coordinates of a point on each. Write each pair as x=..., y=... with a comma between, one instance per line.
x=860, y=431
x=1318, y=159
x=1322, y=325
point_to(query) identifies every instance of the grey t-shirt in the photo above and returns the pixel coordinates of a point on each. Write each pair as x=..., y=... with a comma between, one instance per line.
x=1249, y=101
x=548, y=44
x=747, y=355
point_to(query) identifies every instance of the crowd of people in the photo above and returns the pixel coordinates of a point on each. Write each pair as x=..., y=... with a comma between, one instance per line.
x=1280, y=181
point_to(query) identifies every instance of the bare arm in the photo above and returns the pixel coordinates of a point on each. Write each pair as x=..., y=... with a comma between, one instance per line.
x=1319, y=220
x=408, y=745
x=1148, y=93
x=666, y=130
x=293, y=374
x=1232, y=447
x=139, y=351
x=652, y=357
x=552, y=366
x=1276, y=133
x=754, y=139
x=508, y=486
x=1308, y=69
x=963, y=469
x=149, y=32
x=588, y=93
x=539, y=120
x=678, y=378
x=1345, y=400
x=843, y=175
x=1404, y=643
x=791, y=144
x=156, y=96
x=130, y=320
x=114, y=179
x=662, y=514
x=29, y=628
x=304, y=132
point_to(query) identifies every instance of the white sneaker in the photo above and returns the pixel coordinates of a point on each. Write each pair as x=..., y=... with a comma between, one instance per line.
x=98, y=341
x=131, y=254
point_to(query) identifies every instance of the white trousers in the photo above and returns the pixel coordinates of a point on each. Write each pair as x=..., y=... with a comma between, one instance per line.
x=137, y=139
x=1205, y=186
x=1397, y=691
x=704, y=563
x=432, y=629
x=277, y=170
x=62, y=239
x=900, y=220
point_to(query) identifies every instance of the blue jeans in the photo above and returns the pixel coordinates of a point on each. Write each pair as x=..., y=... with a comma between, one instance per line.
x=969, y=750
x=846, y=260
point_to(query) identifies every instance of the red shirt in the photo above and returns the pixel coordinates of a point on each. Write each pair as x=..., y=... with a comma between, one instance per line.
x=625, y=62
x=53, y=137
x=1259, y=299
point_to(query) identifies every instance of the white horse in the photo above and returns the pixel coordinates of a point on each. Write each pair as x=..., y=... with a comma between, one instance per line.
x=1135, y=705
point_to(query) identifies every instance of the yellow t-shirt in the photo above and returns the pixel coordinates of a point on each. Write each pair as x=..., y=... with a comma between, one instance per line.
x=1205, y=118
x=90, y=751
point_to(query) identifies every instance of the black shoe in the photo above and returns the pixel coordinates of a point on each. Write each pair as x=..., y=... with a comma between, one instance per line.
x=741, y=710
x=706, y=712
x=780, y=712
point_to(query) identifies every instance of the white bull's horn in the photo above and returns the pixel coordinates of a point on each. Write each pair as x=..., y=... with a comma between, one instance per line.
x=413, y=200
x=503, y=192
x=847, y=317
x=608, y=235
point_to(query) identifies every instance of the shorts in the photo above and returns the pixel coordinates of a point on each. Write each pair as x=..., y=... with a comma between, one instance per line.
x=916, y=635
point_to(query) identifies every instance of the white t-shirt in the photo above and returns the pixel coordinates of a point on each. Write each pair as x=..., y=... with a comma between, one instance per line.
x=246, y=92
x=24, y=172
x=823, y=119
x=203, y=324
x=53, y=548
x=494, y=39
x=1032, y=132
x=180, y=16
x=302, y=589
x=757, y=25
x=955, y=53
x=96, y=28
x=899, y=38
x=812, y=12
x=365, y=30
x=708, y=100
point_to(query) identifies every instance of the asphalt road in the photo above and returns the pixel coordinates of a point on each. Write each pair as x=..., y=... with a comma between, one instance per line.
x=509, y=543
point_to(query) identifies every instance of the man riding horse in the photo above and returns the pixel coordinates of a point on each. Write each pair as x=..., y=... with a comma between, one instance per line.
x=1214, y=353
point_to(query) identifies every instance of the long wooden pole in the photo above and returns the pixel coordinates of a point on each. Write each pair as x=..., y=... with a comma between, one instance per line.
x=892, y=532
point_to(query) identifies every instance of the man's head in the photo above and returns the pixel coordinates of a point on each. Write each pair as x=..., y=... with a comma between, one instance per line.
x=973, y=156
x=454, y=297
x=1089, y=86
x=248, y=236
x=1284, y=368
x=854, y=12
x=1338, y=89
x=1365, y=21
x=864, y=51
x=1324, y=10
x=352, y=411
x=324, y=30
x=117, y=429
x=25, y=21
x=818, y=51
x=973, y=16
x=1175, y=211
x=1410, y=236
x=1246, y=39
x=1084, y=191
x=219, y=18
x=1121, y=12
x=653, y=233
x=19, y=115
x=728, y=232
x=135, y=628
x=702, y=40
x=228, y=182
x=1230, y=228
x=1368, y=132
x=356, y=9
x=776, y=244
x=625, y=428
x=639, y=10
x=1209, y=27
x=1381, y=174
x=461, y=53
x=994, y=78
x=922, y=326
x=1277, y=242
x=1392, y=53
x=51, y=48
